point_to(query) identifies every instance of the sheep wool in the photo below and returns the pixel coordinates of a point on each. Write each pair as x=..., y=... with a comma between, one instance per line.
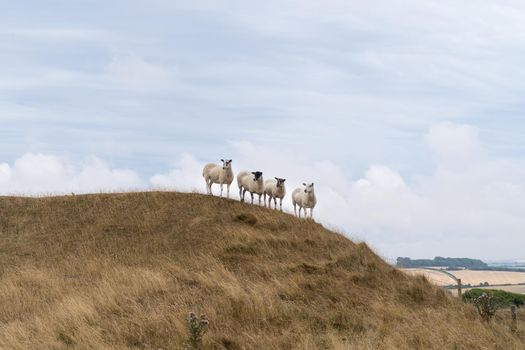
x=250, y=182
x=304, y=198
x=274, y=189
x=218, y=174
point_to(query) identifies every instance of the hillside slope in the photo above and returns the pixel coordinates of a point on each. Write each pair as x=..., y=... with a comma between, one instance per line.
x=122, y=271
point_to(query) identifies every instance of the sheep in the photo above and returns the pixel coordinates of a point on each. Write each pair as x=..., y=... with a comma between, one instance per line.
x=251, y=182
x=215, y=174
x=304, y=198
x=274, y=189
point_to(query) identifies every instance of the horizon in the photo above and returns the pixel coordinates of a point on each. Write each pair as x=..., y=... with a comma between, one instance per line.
x=406, y=116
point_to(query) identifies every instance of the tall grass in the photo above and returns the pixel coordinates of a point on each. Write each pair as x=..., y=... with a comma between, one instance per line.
x=122, y=271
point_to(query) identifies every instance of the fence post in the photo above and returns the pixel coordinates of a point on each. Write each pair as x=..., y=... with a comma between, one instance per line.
x=514, y=325
x=459, y=288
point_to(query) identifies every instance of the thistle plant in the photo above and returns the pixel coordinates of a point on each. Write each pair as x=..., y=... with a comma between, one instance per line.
x=486, y=306
x=198, y=327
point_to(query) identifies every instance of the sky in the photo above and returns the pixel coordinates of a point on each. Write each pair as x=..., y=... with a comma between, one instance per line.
x=406, y=114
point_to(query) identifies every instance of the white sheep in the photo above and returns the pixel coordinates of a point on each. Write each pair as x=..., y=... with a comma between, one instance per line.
x=304, y=198
x=217, y=174
x=250, y=182
x=274, y=188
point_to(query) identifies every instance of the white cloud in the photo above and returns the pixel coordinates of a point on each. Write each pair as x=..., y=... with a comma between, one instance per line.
x=51, y=174
x=382, y=177
x=455, y=145
x=185, y=176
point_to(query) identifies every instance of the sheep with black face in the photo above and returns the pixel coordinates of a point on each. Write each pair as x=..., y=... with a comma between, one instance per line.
x=218, y=174
x=304, y=198
x=274, y=188
x=250, y=182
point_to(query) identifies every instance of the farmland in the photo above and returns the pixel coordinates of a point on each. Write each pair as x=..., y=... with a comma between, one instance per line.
x=513, y=281
x=492, y=277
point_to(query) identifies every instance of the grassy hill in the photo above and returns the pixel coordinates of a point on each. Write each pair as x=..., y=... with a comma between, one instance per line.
x=122, y=271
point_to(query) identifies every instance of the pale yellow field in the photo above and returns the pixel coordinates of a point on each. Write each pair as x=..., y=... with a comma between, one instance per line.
x=471, y=277
x=492, y=277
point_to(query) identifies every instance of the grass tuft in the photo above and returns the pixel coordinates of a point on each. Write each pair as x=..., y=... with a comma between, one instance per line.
x=246, y=218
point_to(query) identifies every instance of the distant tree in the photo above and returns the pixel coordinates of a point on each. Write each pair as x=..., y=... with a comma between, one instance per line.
x=501, y=298
x=449, y=263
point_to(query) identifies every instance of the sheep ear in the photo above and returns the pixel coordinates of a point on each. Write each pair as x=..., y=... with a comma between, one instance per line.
x=283, y=180
x=276, y=178
x=312, y=183
x=253, y=172
x=304, y=184
x=222, y=160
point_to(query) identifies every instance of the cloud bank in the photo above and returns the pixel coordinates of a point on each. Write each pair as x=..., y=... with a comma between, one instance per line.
x=374, y=77
x=470, y=205
x=50, y=174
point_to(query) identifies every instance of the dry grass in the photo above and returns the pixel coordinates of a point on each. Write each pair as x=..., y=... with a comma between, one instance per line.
x=122, y=271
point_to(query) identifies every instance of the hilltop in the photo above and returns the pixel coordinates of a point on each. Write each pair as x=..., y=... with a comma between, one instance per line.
x=122, y=271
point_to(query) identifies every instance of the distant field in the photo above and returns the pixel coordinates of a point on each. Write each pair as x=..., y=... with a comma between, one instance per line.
x=470, y=277
x=492, y=277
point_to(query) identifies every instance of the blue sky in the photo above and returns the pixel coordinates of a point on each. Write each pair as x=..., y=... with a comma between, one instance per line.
x=407, y=114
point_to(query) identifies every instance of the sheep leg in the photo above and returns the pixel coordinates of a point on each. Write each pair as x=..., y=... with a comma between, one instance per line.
x=228, y=191
x=295, y=209
x=251, y=194
x=281, y=204
x=265, y=200
x=221, y=189
x=311, y=213
x=300, y=211
x=260, y=200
